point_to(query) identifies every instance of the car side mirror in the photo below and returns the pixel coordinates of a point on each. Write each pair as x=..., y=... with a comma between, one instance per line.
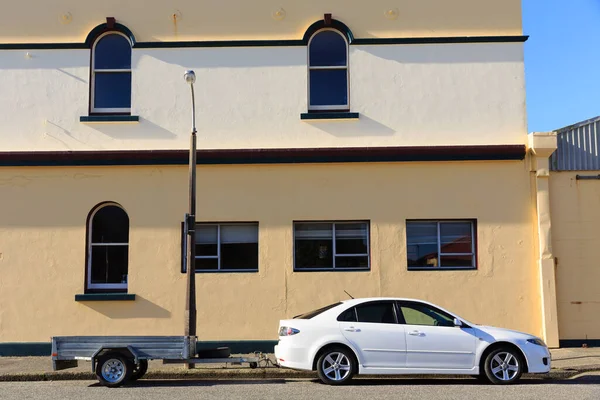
x=457, y=322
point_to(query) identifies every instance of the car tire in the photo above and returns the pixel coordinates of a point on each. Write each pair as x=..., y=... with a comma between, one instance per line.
x=336, y=366
x=139, y=370
x=503, y=366
x=113, y=370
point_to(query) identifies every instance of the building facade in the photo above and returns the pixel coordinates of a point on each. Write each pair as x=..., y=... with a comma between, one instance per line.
x=361, y=148
x=574, y=200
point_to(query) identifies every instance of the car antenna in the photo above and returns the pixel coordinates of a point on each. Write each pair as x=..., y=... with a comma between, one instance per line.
x=349, y=295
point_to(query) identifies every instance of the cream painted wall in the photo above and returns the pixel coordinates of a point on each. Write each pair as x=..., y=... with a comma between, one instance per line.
x=152, y=20
x=406, y=95
x=42, y=244
x=576, y=238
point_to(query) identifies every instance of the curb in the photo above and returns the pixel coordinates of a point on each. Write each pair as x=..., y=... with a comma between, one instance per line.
x=268, y=373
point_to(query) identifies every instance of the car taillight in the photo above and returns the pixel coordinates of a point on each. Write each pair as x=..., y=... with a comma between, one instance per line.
x=287, y=331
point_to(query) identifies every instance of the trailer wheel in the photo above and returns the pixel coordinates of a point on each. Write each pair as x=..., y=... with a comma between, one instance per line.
x=113, y=370
x=253, y=365
x=139, y=370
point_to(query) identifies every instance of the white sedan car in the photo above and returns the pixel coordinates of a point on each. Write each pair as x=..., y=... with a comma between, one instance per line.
x=387, y=336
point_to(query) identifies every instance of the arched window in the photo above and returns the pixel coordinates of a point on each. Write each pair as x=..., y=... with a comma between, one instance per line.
x=328, y=71
x=111, y=74
x=108, y=248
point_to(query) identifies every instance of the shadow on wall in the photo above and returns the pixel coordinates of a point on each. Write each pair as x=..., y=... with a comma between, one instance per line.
x=466, y=53
x=227, y=57
x=144, y=130
x=140, y=308
x=365, y=126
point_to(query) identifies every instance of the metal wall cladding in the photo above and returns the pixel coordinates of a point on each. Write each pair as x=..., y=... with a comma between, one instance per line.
x=578, y=148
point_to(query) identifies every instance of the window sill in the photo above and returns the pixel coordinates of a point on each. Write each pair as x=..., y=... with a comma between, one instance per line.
x=321, y=116
x=226, y=271
x=109, y=119
x=333, y=270
x=105, y=297
x=442, y=269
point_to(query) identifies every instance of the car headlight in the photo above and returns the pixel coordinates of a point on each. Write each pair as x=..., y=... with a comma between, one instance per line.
x=537, y=341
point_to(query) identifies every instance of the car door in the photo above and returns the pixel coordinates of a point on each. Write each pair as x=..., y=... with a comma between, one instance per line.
x=432, y=340
x=373, y=330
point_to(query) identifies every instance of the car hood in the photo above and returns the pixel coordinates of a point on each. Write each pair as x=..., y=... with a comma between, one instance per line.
x=502, y=333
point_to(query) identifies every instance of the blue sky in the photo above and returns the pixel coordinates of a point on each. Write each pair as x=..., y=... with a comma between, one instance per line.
x=562, y=62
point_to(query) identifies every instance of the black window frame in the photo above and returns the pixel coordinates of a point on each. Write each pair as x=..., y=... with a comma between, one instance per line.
x=474, y=245
x=90, y=287
x=333, y=268
x=219, y=270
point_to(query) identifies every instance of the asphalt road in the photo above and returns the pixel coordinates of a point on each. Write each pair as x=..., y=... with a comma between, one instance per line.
x=579, y=389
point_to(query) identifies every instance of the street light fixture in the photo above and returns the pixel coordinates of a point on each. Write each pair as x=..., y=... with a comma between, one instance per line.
x=190, y=303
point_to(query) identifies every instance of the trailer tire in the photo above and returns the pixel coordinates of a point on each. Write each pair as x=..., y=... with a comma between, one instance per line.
x=113, y=370
x=219, y=352
x=139, y=370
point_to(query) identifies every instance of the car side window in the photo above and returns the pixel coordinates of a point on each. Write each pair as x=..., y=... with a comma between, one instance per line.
x=378, y=313
x=421, y=314
x=348, y=316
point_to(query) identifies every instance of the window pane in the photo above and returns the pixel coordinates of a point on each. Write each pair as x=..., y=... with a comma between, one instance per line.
x=423, y=315
x=245, y=233
x=109, y=264
x=317, y=253
x=207, y=263
x=382, y=313
x=110, y=224
x=352, y=262
x=456, y=261
x=328, y=87
x=239, y=256
x=309, y=230
x=348, y=316
x=112, y=52
x=112, y=90
x=351, y=238
x=456, y=237
x=206, y=240
x=327, y=48
x=421, y=244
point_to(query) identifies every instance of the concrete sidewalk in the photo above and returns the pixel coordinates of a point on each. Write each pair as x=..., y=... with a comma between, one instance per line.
x=566, y=363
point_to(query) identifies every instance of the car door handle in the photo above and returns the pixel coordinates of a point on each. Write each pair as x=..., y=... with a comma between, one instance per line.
x=415, y=333
x=352, y=329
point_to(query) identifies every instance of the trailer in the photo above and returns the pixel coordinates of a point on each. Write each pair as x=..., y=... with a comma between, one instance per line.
x=117, y=360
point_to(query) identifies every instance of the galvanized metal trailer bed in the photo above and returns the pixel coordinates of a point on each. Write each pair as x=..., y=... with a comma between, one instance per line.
x=119, y=359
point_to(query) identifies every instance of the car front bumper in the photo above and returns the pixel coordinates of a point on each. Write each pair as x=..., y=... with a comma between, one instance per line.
x=539, y=360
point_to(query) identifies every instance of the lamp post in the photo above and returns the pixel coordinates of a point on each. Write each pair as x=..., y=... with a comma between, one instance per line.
x=190, y=302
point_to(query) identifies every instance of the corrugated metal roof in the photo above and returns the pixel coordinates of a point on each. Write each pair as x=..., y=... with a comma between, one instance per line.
x=577, y=147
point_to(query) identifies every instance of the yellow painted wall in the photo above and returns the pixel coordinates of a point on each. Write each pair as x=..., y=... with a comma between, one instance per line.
x=152, y=20
x=575, y=210
x=42, y=244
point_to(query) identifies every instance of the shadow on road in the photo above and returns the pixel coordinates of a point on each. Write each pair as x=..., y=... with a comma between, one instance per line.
x=584, y=380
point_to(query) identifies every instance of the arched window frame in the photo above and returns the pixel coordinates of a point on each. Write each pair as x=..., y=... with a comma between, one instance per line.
x=93, y=108
x=344, y=107
x=102, y=287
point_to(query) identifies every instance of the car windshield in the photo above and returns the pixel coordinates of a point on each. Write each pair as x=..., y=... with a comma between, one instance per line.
x=314, y=313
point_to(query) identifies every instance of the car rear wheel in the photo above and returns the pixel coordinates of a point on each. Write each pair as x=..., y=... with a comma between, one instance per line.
x=336, y=366
x=503, y=366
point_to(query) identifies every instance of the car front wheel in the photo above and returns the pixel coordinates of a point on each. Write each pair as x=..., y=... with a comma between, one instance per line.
x=336, y=366
x=503, y=366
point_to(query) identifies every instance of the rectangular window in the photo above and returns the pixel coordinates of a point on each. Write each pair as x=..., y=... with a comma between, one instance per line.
x=432, y=245
x=331, y=246
x=227, y=247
